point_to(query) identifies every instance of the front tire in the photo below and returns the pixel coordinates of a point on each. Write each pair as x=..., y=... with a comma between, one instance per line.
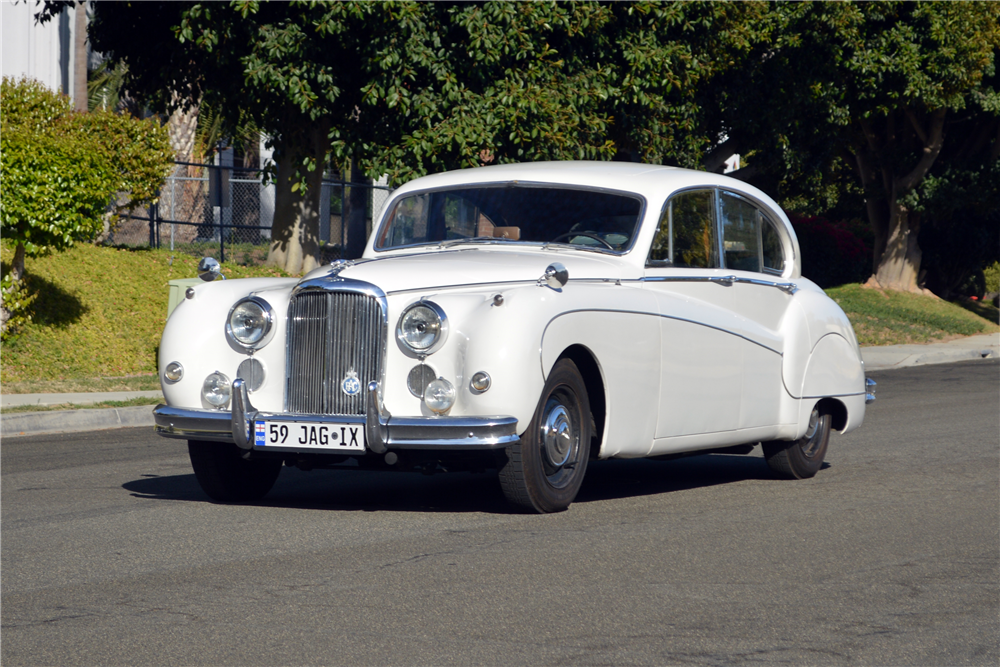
x=544, y=471
x=226, y=476
x=802, y=458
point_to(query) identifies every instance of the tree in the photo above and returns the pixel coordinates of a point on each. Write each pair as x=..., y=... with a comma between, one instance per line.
x=533, y=81
x=62, y=171
x=403, y=89
x=889, y=90
x=280, y=66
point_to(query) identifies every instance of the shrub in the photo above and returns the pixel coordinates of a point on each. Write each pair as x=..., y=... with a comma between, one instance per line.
x=832, y=252
x=62, y=171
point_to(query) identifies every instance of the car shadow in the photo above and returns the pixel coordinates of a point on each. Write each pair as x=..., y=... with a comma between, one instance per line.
x=375, y=491
x=623, y=478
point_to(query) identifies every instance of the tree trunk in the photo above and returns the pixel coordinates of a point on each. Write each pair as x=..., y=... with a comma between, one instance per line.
x=295, y=231
x=899, y=265
x=182, y=128
x=16, y=274
x=80, y=58
x=897, y=254
x=356, y=215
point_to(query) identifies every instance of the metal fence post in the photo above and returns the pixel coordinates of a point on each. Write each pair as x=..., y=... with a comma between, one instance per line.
x=152, y=225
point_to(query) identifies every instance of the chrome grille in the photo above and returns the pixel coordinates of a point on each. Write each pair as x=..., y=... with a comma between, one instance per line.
x=330, y=335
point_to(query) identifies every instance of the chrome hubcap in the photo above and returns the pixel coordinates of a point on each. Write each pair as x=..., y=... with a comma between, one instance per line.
x=813, y=439
x=557, y=434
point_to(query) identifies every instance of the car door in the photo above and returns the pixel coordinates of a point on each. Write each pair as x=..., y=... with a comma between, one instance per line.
x=753, y=256
x=701, y=346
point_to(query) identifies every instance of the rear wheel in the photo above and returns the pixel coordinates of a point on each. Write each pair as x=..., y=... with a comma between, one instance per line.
x=226, y=476
x=544, y=471
x=802, y=458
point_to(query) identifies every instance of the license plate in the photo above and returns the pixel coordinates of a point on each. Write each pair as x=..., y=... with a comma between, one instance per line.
x=305, y=435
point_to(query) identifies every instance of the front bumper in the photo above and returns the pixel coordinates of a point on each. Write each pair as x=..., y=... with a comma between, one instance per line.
x=382, y=431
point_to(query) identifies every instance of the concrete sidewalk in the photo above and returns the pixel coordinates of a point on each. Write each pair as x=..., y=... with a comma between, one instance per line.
x=56, y=421
x=901, y=356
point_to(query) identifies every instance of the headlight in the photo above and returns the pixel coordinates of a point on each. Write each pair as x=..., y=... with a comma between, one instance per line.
x=422, y=328
x=216, y=390
x=251, y=323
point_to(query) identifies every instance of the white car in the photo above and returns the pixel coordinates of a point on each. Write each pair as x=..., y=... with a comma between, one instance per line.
x=528, y=318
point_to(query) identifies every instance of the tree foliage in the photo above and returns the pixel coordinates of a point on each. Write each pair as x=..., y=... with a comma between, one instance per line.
x=407, y=88
x=883, y=93
x=62, y=171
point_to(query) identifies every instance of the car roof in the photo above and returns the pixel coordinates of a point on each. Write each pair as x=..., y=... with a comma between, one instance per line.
x=649, y=180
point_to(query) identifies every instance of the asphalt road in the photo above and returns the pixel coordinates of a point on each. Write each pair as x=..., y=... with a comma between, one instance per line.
x=111, y=555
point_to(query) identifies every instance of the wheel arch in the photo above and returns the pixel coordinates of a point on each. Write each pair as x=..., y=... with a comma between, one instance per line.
x=593, y=379
x=837, y=411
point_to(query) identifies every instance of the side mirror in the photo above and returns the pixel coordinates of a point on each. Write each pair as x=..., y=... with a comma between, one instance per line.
x=556, y=276
x=209, y=269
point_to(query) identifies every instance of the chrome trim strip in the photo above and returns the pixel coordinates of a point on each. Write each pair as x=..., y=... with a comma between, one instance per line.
x=648, y=314
x=725, y=281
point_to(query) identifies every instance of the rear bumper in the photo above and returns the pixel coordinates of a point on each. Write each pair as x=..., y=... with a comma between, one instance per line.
x=383, y=432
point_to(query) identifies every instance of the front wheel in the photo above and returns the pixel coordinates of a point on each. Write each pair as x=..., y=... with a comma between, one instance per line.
x=226, y=476
x=544, y=471
x=802, y=458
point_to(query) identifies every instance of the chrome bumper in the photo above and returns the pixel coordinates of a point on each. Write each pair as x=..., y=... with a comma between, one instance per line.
x=382, y=431
x=869, y=390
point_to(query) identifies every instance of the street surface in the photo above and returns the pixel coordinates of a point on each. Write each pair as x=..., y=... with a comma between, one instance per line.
x=112, y=555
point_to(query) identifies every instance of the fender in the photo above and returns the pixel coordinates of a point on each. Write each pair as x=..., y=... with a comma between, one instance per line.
x=195, y=337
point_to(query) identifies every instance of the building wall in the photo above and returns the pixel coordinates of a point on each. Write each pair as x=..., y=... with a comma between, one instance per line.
x=43, y=52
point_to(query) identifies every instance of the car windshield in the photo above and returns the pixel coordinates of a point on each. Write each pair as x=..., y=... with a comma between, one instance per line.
x=509, y=213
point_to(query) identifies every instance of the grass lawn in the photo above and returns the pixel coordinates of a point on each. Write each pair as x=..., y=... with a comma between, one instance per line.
x=98, y=318
x=893, y=318
x=100, y=312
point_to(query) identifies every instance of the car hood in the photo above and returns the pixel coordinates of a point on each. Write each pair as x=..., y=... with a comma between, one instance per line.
x=469, y=267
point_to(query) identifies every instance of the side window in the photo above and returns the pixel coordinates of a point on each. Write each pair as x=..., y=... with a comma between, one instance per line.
x=740, y=233
x=686, y=233
x=771, y=250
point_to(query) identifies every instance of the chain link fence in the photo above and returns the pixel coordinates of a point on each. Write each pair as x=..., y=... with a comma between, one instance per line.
x=227, y=213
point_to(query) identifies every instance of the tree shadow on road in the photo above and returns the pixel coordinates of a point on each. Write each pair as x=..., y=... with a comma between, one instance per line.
x=368, y=491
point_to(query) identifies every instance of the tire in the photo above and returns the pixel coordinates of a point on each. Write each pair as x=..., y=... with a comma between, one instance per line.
x=226, y=476
x=544, y=471
x=802, y=458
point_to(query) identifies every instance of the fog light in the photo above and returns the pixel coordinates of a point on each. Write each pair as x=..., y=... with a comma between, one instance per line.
x=481, y=381
x=217, y=390
x=439, y=396
x=173, y=372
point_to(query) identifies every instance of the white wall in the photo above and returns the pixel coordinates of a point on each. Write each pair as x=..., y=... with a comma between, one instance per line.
x=43, y=52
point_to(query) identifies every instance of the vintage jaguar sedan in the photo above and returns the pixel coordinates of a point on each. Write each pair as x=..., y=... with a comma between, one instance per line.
x=528, y=318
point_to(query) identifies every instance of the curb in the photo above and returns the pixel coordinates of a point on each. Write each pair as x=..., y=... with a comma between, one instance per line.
x=60, y=421
x=11, y=400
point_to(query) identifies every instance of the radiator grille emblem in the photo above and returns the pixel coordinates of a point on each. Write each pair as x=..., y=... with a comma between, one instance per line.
x=351, y=384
